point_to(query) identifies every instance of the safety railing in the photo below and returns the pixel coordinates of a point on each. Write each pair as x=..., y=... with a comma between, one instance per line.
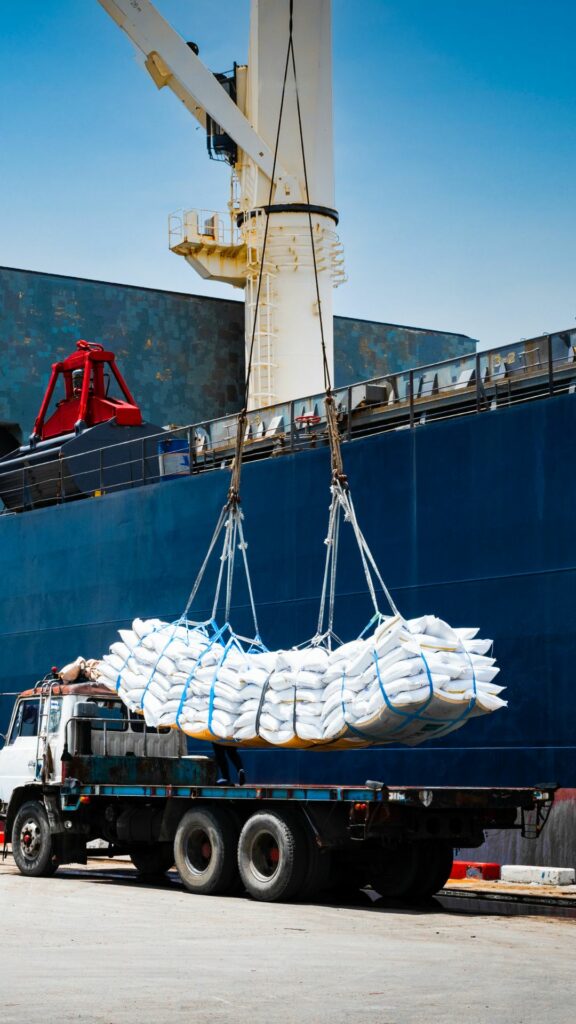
x=132, y=728
x=475, y=384
x=202, y=227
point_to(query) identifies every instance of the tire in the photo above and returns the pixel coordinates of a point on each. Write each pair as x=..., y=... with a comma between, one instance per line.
x=348, y=875
x=318, y=872
x=272, y=856
x=152, y=862
x=435, y=859
x=32, y=843
x=205, y=851
x=394, y=873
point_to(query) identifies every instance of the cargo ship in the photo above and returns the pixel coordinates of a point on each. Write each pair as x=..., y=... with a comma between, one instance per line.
x=464, y=497
x=460, y=479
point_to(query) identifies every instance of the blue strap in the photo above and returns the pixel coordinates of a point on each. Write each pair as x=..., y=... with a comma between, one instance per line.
x=163, y=651
x=257, y=646
x=155, y=666
x=141, y=639
x=156, y=629
x=443, y=725
x=214, y=640
x=377, y=617
x=472, y=702
x=348, y=724
x=409, y=716
x=447, y=726
x=232, y=642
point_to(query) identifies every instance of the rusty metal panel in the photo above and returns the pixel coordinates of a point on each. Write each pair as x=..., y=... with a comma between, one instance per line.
x=151, y=771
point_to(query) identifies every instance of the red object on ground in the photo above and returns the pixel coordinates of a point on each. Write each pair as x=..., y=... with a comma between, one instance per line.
x=86, y=400
x=475, y=869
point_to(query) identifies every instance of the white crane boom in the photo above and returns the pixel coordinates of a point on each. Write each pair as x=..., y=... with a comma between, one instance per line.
x=280, y=243
x=171, y=62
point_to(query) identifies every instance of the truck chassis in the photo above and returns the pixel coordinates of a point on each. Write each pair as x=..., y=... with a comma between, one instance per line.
x=278, y=842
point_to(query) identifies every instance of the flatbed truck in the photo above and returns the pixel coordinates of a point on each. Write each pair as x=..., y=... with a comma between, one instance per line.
x=78, y=766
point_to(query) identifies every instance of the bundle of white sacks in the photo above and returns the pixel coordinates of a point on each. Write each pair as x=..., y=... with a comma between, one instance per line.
x=408, y=681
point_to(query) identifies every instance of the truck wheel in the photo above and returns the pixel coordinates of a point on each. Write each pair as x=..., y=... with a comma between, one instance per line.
x=393, y=873
x=318, y=872
x=347, y=877
x=32, y=843
x=272, y=856
x=435, y=859
x=205, y=851
x=152, y=862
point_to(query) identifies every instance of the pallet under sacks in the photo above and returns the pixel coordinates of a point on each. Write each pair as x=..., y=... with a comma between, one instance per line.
x=408, y=681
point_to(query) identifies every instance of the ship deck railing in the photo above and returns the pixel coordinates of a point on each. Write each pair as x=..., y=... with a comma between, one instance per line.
x=476, y=384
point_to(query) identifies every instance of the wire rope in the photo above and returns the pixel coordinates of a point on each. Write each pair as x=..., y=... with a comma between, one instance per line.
x=230, y=517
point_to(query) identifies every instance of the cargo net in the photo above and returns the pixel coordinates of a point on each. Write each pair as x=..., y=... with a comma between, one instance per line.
x=401, y=681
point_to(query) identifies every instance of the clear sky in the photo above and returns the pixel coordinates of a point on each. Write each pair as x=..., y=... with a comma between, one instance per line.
x=455, y=155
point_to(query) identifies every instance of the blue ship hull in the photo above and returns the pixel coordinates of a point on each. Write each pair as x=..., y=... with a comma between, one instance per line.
x=471, y=519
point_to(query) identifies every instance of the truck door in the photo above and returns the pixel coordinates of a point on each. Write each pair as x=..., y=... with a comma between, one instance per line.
x=18, y=756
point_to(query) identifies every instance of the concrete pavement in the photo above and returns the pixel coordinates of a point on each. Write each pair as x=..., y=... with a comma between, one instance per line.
x=98, y=947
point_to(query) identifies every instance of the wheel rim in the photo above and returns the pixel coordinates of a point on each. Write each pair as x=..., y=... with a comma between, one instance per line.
x=264, y=856
x=199, y=851
x=30, y=839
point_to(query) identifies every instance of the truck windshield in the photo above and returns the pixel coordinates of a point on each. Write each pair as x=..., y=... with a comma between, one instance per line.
x=26, y=720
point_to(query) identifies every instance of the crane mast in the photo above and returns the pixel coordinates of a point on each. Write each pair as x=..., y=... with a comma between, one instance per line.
x=240, y=111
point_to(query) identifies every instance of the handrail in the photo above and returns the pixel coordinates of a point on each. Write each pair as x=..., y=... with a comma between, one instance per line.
x=478, y=382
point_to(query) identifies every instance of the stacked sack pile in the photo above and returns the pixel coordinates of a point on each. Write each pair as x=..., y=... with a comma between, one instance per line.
x=408, y=681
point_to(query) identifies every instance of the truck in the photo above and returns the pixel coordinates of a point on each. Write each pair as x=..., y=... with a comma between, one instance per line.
x=78, y=766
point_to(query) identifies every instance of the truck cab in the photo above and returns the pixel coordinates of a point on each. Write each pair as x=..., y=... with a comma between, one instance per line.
x=53, y=719
x=18, y=756
x=56, y=725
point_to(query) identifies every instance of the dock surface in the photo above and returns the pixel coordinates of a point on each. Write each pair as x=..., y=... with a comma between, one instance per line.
x=95, y=945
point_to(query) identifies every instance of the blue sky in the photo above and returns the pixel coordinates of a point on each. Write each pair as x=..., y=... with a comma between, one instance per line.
x=455, y=155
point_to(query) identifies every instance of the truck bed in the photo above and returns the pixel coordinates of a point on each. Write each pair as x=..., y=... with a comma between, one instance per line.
x=194, y=778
